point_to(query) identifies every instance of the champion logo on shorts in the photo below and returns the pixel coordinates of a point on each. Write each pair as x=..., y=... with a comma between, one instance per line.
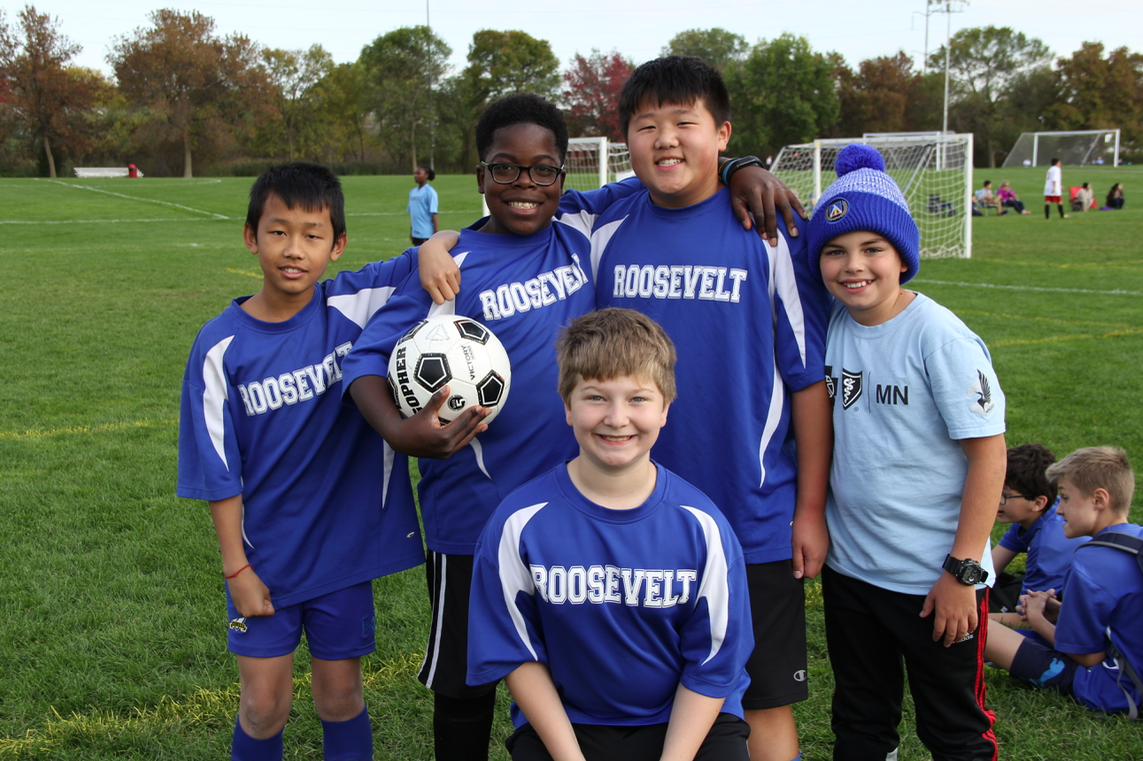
x=836, y=210
x=238, y=624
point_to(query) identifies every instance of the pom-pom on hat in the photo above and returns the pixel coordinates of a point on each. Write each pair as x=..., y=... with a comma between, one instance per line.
x=864, y=197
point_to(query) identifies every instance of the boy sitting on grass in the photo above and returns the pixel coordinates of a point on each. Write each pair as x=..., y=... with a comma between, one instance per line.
x=1094, y=637
x=917, y=471
x=609, y=592
x=1029, y=503
x=309, y=504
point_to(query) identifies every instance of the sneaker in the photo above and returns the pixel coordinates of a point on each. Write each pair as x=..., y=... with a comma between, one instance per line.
x=1067, y=216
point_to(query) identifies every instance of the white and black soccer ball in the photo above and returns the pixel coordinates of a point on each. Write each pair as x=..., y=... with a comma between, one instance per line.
x=455, y=351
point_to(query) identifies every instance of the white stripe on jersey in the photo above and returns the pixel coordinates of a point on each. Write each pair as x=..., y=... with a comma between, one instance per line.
x=599, y=240
x=359, y=307
x=515, y=577
x=215, y=395
x=783, y=281
x=773, y=417
x=715, y=577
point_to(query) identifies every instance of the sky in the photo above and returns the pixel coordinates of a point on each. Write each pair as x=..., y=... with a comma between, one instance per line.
x=638, y=29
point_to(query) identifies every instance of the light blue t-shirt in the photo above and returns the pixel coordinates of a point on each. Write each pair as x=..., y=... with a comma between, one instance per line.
x=422, y=207
x=904, y=393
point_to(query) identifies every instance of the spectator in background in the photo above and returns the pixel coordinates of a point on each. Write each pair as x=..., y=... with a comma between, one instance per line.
x=1053, y=190
x=1115, y=196
x=1085, y=198
x=985, y=197
x=422, y=206
x=1009, y=198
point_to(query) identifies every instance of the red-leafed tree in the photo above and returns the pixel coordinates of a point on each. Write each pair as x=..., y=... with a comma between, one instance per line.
x=592, y=94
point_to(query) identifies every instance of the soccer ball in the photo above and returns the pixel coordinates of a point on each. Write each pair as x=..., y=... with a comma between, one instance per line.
x=455, y=351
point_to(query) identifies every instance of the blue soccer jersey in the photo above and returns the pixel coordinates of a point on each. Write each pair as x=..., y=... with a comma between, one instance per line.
x=1103, y=593
x=904, y=393
x=326, y=503
x=748, y=322
x=1049, y=551
x=524, y=288
x=621, y=605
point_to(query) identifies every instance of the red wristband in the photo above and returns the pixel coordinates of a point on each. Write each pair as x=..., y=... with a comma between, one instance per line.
x=240, y=570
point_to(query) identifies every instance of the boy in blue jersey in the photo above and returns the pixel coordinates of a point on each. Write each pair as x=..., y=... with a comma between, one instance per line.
x=610, y=593
x=751, y=429
x=1029, y=503
x=309, y=504
x=917, y=471
x=1094, y=637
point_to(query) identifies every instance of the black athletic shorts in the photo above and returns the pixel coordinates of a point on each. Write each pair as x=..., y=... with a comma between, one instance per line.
x=777, y=667
x=726, y=741
x=446, y=657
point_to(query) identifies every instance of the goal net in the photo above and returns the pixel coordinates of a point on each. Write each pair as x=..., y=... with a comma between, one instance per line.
x=592, y=162
x=933, y=170
x=1076, y=148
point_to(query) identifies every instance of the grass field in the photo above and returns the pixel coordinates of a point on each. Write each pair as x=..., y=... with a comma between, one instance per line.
x=111, y=634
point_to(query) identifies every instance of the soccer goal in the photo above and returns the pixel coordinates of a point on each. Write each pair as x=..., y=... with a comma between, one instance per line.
x=934, y=171
x=592, y=162
x=1075, y=148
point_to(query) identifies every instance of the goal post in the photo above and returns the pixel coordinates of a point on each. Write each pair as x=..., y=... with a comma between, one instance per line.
x=933, y=170
x=1073, y=148
x=592, y=162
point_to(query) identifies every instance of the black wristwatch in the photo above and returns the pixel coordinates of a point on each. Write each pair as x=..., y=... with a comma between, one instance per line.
x=727, y=170
x=967, y=572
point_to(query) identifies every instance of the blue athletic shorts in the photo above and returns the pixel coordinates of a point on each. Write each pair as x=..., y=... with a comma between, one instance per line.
x=1039, y=664
x=338, y=626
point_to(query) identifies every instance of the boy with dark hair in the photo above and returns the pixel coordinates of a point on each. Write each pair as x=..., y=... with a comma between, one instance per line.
x=917, y=471
x=308, y=503
x=1029, y=503
x=1092, y=646
x=748, y=321
x=610, y=593
x=525, y=277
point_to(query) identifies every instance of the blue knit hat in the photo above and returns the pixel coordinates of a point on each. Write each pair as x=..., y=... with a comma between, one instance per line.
x=864, y=197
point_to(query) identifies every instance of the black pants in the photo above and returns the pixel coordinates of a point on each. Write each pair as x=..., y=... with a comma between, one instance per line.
x=875, y=636
x=726, y=741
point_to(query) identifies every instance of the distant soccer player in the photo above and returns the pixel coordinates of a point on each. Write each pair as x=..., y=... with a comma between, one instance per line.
x=309, y=504
x=609, y=592
x=1054, y=190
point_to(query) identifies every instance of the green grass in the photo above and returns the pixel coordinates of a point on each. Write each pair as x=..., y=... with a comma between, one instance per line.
x=111, y=623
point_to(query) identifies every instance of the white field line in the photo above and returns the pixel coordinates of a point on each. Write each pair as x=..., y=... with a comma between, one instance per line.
x=136, y=198
x=1115, y=292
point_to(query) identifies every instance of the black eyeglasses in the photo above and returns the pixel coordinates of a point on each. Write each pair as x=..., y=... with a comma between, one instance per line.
x=1005, y=497
x=506, y=174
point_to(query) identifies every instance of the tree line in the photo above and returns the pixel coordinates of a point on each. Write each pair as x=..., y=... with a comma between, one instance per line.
x=184, y=100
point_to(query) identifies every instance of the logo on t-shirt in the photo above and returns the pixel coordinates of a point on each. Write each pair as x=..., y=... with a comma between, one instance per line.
x=983, y=393
x=831, y=384
x=850, y=388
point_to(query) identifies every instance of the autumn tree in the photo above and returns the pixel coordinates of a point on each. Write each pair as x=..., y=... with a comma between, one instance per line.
x=54, y=102
x=403, y=66
x=592, y=87
x=340, y=100
x=783, y=92
x=984, y=63
x=293, y=76
x=717, y=47
x=202, y=88
x=1101, y=91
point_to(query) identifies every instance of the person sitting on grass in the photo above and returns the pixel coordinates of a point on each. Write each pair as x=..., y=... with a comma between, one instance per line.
x=1029, y=503
x=986, y=198
x=1115, y=196
x=308, y=503
x=610, y=593
x=1093, y=638
x=1009, y=198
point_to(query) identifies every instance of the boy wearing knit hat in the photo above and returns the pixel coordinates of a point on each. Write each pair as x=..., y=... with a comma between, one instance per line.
x=918, y=467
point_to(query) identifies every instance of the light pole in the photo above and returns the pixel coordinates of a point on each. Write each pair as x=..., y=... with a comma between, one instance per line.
x=432, y=136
